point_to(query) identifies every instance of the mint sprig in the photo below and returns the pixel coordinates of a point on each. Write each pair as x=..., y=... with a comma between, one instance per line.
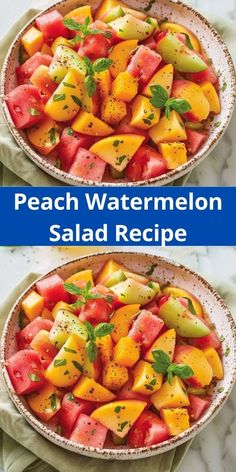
x=100, y=65
x=163, y=365
x=101, y=330
x=83, y=30
x=84, y=294
x=160, y=98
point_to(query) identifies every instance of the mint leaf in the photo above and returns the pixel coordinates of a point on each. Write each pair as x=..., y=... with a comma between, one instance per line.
x=89, y=65
x=190, y=306
x=103, y=329
x=102, y=64
x=77, y=100
x=91, y=350
x=34, y=377
x=182, y=371
x=188, y=41
x=78, y=366
x=122, y=426
x=90, y=329
x=159, y=96
x=90, y=85
x=59, y=362
x=66, y=349
x=73, y=25
x=162, y=361
x=57, y=97
x=52, y=136
x=53, y=401
x=178, y=104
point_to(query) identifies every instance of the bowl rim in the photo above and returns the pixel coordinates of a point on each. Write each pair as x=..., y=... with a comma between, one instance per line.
x=128, y=453
x=164, y=179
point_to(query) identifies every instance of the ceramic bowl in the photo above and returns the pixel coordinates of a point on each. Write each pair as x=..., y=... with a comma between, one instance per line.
x=175, y=11
x=164, y=270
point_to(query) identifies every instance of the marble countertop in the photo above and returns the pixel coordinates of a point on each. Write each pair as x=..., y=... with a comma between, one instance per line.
x=214, y=449
x=219, y=169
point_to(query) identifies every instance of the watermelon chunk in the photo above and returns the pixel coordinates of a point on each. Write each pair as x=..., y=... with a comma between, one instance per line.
x=26, y=335
x=25, y=371
x=71, y=408
x=51, y=25
x=53, y=291
x=88, y=166
x=146, y=328
x=25, y=71
x=211, y=340
x=144, y=64
x=89, y=432
x=198, y=405
x=195, y=139
x=25, y=106
x=69, y=144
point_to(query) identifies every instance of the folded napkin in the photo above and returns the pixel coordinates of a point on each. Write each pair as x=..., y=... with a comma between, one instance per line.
x=22, y=449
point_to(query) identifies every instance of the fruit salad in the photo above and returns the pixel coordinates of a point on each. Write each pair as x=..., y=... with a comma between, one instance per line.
x=114, y=359
x=113, y=94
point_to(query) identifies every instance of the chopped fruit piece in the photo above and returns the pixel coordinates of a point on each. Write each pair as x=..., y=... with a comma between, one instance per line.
x=87, y=165
x=60, y=41
x=119, y=416
x=147, y=431
x=176, y=316
x=165, y=342
x=125, y=86
x=41, y=79
x=176, y=28
x=26, y=335
x=51, y=24
x=105, y=348
x=60, y=306
x=89, y=432
x=47, y=314
x=80, y=14
x=118, y=149
x=120, y=56
x=52, y=289
x=144, y=64
x=129, y=27
x=126, y=393
x=198, y=405
x=114, y=375
x=25, y=106
x=146, y=328
x=113, y=110
x=33, y=305
x=42, y=345
x=195, y=359
x=25, y=71
x=174, y=52
x=32, y=41
x=109, y=267
x=163, y=77
x=104, y=82
x=168, y=130
x=175, y=154
x=91, y=369
x=65, y=102
x=122, y=320
x=46, y=403
x=146, y=380
x=65, y=59
x=144, y=114
x=180, y=293
x=211, y=340
x=212, y=97
x=66, y=323
x=82, y=275
x=194, y=95
x=126, y=352
x=45, y=137
x=105, y=7
x=131, y=292
x=214, y=360
x=71, y=409
x=207, y=75
x=171, y=395
x=146, y=164
x=195, y=139
x=69, y=144
x=66, y=367
x=87, y=123
x=89, y=389
x=45, y=49
x=25, y=371
x=176, y=419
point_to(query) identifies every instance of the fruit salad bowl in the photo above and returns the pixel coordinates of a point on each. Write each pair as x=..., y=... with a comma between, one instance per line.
x=152, y=153
x=180, y=282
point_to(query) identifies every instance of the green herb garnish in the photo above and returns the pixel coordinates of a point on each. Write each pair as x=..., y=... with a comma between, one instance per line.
x=34, y=112
x=34, y=377
x=100, y=65
x=59, y=362
x=53, y=401
x=101, y=330
x=57, y=97
x=78, y=366
x=163, y=365
x=52, y=136
x=160, y=98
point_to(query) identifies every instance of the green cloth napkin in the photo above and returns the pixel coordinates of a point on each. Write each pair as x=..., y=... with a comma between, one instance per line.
x=17, y=169
x=22, y=449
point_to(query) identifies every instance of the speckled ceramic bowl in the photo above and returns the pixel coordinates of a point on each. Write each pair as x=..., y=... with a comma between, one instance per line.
x=177, y=12
x=164, y=270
